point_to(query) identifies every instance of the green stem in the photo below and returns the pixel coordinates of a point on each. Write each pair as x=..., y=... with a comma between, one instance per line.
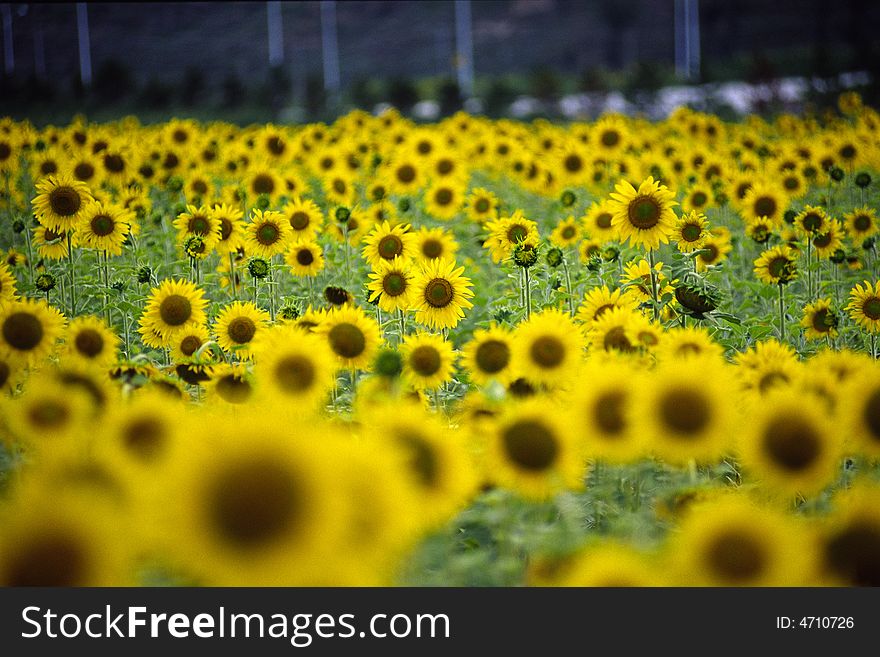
x=781, y=315
x=105, y=262
x=232, y=276
x=568, y=287
x=809, y=269
x=401, y=317
x=653, y=283
x=72, y=276
x=273, y=289
x=528, y=292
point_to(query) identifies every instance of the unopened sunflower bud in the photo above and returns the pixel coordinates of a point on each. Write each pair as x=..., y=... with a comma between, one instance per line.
x=144, y=274
x=262, y=202
x=836, y=174
x=555, y=257
x=525, y=255
x=258, y=267
x=45, y=282
x=568, y=198
x=863, y=179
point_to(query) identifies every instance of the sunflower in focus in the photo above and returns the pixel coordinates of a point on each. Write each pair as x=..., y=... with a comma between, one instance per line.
x=104, y=227
x=230, y=228
x=351, y=335
x=488, y=355
x=864, y=305
x=505, y=233
x=691, y=231
x=60, y=202
x=644, y=216
x=201, y=222
x=441, y=294
x=175, y=304
x=386, y=242
x=186, y=341
x=237, y=325
x=776, y=266
x=267, y=234
x=819, y=320
x=391, y=285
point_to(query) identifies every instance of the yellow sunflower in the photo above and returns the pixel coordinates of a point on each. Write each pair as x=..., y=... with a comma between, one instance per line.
x=598, y=300
x=352, y=336
x=28, y=330
x=305, y=258
x=714, y=250
x=612, y=332
x=60, y=202
x=566, y=233
x=104, y=227
x=598, y=221
x=433, y=244
x=506, y=232
x=488, y=356
x=812, y=221
x=764, y=200
x=304, y=216
x=691, y=231
x=860, y=410
x=683, y=343
x=644, y=216
x=386, y=242
x=231, y=227
x=441, y=294
x=231, y=385
x=698, y=198
x=7, y=284
x=548, y=348
x=391, y=285
x=827, y=243
x=201, y=222
x=481, y=205
x=861, y=223
x=820, y=320
x=175, y=304
x=267, y=234
x=88, y=339
x=776, y=266
x=185, y=342
x=237, y=326
x=428, y=360
x=864, y=305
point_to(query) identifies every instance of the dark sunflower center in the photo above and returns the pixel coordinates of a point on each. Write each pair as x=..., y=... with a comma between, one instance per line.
x=853, y=553
x=254, y=503
x=145, y=437
x=812, y=222
x=644, y=212
x=390, y=247
x=771, y=379
x=102, y=225
x=445, y=166
x=765, y=206
x=608, y=412
x=736, y=557
x=568, y=232
x=49, y=414
x=180, y=135
x=22, y=331
x=686, y=411
x=268, y=234
x=432, y=249
x=547, y=351
x=295, y=373
x=234, y=389
x=574, y=163
x=439, y=293
x=422, y=458
x=65, y=201
x=520, y=388
x=482, y=205
x=861, y=222
x=691, y=232
x=5, y=151
x=443, y=196
x=792, y=443
x=425, y=360
x=84, y=171
x=777, y=267
x=847, y=152
x=241, y=330
x=871, y=308
x=492, y=356
x=305, y=257
x=225, y=229
x=275, y=145
x=610, y=138
x=299, y=220
x=699, y=199
x=175, y=310
x=406, y=174
x=394, y=284
x=263, y=184
x=616, y=338
x=48, y=167
x=530, y=445
x=347, y=340
x=604, y=220
x=791, y=183
x=48, y=560
x=89, y=342
x=339, y=186
x=190, y=344
x=199, y=225
x=114, y=163
x=517, y=234
x=821, y=322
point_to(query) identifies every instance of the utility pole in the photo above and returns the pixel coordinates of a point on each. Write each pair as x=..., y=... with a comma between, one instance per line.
x=687, y=39
x=276, y=33
x=85, y=48
x=464, y=48
x=8, y=51
x=330, y=50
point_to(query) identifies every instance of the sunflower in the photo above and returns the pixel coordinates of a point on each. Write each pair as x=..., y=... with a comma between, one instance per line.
x=849, y=543
x=60, y=202
x=294, y=365
x=764, y=200
x=691, y=342
x=827, y=243
x=714, y=251
x=104, y=227
x=304, y=216
x=237, y=326
x=507, y=232
x=47, y=415
x=404, y=176
x=598, y=300
x=231, y=385
x=186, y=341
x=636, y=280
x=860, y=410
x=793, y=182
x=305, y=258
x=441, y=293
x=7, y=284
x=598, y=221
x=267, y=234
x=864, y=305
x=610, y=136
x=861, y=223
x=733, y=542
x=201, y=222
x=566, y=233
x=433, y=244
x=28, y=330
x=386, y=242
x=698, y=198
x=339, y=188
x=230, y=228
x=261, y=180
x=352, y=336
x=88, y=339
x=488, y=356
x=481, y=205
x=612, y=331
x=790, y=444
x=776, y=266
x=643, y=215
x=607, y=565
x=533, y=452
x=760, y=230
x=819, y=320
x=548, y=348
x=589, y=250
x=691, y=231
x=428, y=360
x=175, y=304
x=391, y=285
x=812, y=221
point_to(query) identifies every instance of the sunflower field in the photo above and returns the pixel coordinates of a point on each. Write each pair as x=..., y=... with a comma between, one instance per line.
x=471, y=353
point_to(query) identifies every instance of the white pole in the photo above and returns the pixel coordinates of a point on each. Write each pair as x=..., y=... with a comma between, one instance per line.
x=8, y=52
x=276, y=33
x=464, y=48
x=329, y=47
x=692, y=7
x=85, y=53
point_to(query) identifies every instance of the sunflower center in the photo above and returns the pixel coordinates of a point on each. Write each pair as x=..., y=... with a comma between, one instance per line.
x=792, y=443
x=574, y=163
x=275, y=145
x=175, y=310
x=180, y=135
x=200, y=187
x=691, y=232
x=102, y=225
x=821, y=321
x=189, y=345
x=406, y=174
x=234, y=389
x=791, y=183
x=144, y=437
x=608, y=412
x=852, y=553
x=765, y=206
x=241, y=330
x=89, y=342
x=568, y=232
x=114, y=163
x=425, y=360
x=610, y=138
x=439, y=293
x=443, y=196
x=492, y=356
x=861, y=222
x=699, y=199
x=390, y=247
x=482, y=205
x=5, y=151
x=777, y=267
x=22, y=331
x=299, y=220
x=812, y=222
x=48, y=560
x=263, y=184
x=394, y=284
x=685, y=411
x=432, y=249
x=423, y=459
x=517, y=234
x=339, y=186
x=871, y=308
x=225, y=229
x=771, y=379
x=644, y=212
x=49, y=414
x=445, y=166
x=848, y=152
x=547, y=351
x=347, y=340
x=521, y=388
x=254, y=503
x=84, y=171
x=530, y=445
x=295, y=373
x=305, y=257
x=199, y=225
x=604, y=220
x=268, y=234
x=65, y=201
x=735, y=556
x=871, y=414
x=616, y=338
